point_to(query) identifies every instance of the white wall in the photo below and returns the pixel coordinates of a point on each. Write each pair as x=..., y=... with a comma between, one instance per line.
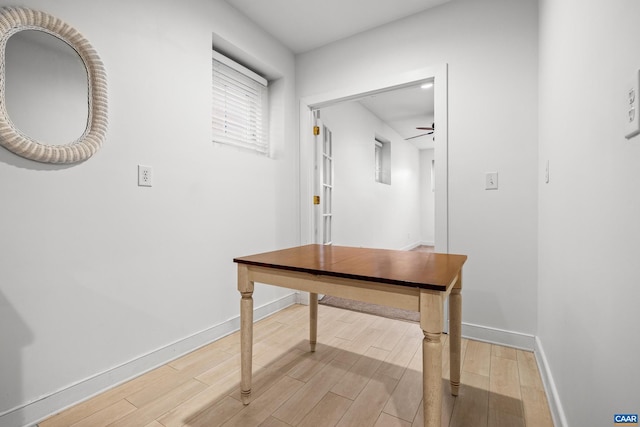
x=96, y=272
x=368, y=213
x=427, y=199
x=588, y=317
x=491, y=49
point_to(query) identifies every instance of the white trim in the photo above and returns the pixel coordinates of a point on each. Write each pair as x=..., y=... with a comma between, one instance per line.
x=553, y=397
x=38, y=410
x=438, y=74
x=411, y=246
x=498, y=336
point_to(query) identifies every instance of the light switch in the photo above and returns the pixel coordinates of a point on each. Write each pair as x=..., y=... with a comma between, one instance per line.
x=632, y=107
x=546, y=173
x=491, y=181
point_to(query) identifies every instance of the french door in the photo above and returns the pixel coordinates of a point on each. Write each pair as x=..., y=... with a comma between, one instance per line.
x=323, y=182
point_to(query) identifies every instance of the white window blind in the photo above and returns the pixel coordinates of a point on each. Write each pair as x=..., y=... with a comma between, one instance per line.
x=240, y=106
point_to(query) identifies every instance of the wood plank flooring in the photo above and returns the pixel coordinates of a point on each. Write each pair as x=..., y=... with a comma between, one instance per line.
x=366, y=371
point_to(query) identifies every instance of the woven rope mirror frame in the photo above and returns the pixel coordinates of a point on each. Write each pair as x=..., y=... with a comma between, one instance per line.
x=15, y=19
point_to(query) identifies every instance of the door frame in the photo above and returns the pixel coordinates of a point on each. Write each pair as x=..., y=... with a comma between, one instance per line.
x=437, y=74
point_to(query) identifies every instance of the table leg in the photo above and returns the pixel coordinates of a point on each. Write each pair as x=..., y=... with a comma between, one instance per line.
x=455, y=335
x=431, y=315
x=245, y=286
x=313, y=320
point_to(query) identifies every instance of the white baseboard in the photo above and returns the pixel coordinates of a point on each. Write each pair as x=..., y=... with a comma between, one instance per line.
x=302, y=298
x=498, y=336
x=555, y=405
x=33, y=412
x=416, y=244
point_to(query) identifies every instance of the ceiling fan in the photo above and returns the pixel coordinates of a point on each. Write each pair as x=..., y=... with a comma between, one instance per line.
x=432, y=129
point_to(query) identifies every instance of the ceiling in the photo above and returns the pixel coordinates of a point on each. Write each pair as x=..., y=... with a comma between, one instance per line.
x=404, y=110
x=303, y=25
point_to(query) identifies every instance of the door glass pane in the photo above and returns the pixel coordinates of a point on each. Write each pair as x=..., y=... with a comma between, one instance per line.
x=327, y=142
x=327, y=200
x=328, y=176
x=327, y=229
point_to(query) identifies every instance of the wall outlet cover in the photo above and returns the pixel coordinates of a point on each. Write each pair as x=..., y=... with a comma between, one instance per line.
x=145, y=176
x=632, y=107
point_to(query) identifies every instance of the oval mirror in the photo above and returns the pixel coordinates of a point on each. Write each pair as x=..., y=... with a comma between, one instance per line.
x=46, y=88
x=43, y=117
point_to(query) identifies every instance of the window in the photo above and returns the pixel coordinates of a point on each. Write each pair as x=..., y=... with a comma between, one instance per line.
x=240, y=106
x=433, y=175
x=383, y=160
x=378, y=161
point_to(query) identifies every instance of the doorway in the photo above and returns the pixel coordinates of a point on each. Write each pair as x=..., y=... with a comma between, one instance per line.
x=381, y=190
x=309, y=105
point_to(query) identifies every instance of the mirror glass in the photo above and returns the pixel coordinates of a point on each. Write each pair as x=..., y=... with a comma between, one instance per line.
x=46, y=88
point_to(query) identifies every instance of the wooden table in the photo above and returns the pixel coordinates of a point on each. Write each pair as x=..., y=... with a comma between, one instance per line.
x=409, y=280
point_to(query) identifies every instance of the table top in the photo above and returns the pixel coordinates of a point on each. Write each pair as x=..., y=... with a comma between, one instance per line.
x=405, y=268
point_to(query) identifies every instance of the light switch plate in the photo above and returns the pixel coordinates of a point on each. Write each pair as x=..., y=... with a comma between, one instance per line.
x=632, y=107
x=491, y=181
x=546, y=173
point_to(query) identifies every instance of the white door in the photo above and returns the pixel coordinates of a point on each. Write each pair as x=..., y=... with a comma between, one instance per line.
x=323, y=182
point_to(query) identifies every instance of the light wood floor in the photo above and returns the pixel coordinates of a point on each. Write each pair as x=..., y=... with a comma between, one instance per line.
x=366, y=371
